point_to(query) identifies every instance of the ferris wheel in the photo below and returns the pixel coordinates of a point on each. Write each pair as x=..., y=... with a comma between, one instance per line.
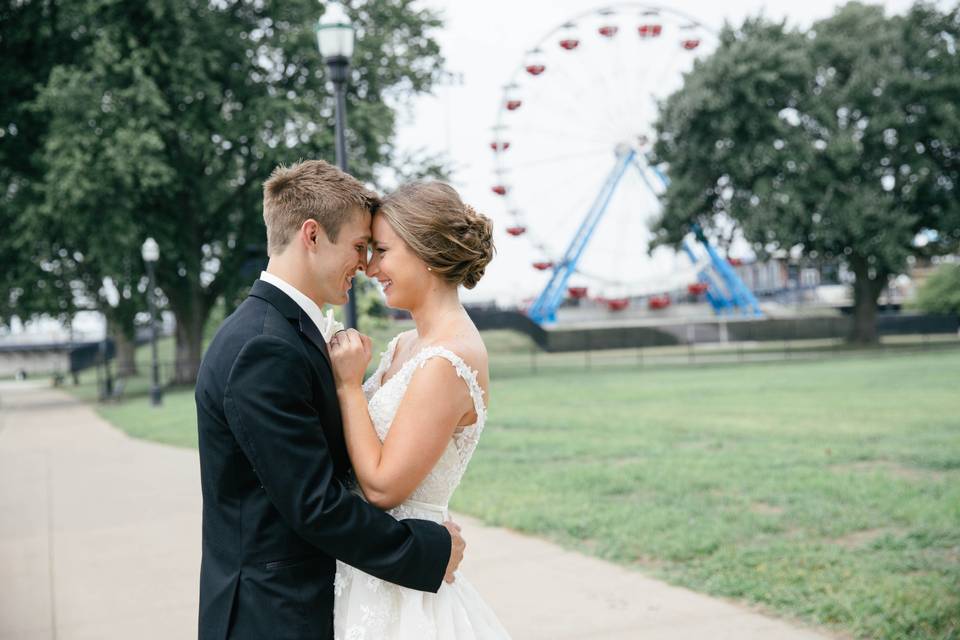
x=571, y=146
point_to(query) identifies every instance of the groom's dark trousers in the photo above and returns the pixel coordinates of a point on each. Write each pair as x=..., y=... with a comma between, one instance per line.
x=275, y=512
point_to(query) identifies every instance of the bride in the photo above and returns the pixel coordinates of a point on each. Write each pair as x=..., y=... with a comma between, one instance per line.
x=413, y=426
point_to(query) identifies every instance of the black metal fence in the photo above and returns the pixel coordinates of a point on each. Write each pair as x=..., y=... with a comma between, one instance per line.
x=600, y=337
x=535, y=361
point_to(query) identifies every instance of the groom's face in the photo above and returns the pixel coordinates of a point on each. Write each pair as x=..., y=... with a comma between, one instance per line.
x=334, y=264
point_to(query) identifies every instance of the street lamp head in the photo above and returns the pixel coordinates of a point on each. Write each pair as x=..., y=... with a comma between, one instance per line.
x=150, y=250
x=335, y=33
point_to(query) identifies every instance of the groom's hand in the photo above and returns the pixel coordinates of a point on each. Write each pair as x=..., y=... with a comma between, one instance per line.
x=457, y=545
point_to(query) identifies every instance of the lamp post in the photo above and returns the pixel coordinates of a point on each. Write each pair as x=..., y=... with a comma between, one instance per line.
x=151, y=253
x=335, y=41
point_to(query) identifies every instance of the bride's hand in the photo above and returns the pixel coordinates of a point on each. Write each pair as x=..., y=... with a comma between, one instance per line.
x=350, y=353
x=457, y=547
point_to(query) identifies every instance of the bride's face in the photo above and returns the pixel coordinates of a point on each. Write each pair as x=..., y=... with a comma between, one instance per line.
x=399, y=271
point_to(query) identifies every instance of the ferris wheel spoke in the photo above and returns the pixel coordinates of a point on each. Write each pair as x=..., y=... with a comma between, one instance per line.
x=580, y=122
x=623, y=76
x=570, y=121
x=552, y=128
x=612, y=102
x=663, y=73
x=541, y=135
x=604, y=119
x=538, y=162
x=567, y=95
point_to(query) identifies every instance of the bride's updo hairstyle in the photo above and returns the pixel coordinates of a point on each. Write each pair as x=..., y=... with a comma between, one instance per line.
x=453, y=239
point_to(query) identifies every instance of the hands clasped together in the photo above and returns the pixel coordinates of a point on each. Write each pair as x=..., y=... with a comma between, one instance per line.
x=350, y=354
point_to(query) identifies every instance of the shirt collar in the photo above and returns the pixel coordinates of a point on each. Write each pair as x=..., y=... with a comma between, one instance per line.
x=309, y=306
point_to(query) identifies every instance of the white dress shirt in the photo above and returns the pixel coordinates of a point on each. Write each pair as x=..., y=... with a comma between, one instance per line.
x=327, y=325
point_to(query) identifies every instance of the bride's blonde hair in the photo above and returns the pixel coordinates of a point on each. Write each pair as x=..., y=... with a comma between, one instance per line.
x=453, y=239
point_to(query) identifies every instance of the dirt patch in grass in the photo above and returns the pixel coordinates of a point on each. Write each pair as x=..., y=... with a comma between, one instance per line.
x=894, y=469
x=765, y=508
x=864, y=537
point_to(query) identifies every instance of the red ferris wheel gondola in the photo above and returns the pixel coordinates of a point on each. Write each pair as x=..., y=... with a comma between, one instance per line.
x=536, y=69
x=658, y=302
x=650, y=30
x=514, y=104
x=577, y=293
x=516, y=231
x=542, y=266
x=608, y=31
x=499, y=146
x=499, y=189
x=690, y=45
x=569, y=43
x=618, y=304
x=697, y=288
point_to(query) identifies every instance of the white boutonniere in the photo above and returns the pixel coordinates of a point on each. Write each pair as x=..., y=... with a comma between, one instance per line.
x=329, y=326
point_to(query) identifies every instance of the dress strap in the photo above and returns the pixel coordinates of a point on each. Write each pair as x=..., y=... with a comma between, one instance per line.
x=469, y=376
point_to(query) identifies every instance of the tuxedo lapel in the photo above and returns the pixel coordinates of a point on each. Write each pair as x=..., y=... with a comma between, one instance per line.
x=292, y=311
x=313, y=334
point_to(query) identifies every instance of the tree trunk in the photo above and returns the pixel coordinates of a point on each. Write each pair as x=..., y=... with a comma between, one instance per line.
x=866, y=292
x=191, y=311
x=189, y=346
x=126, y=353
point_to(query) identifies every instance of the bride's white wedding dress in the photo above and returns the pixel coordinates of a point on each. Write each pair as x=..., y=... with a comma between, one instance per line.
x=367, y=608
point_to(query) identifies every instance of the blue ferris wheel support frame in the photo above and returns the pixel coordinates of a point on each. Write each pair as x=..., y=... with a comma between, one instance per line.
x=726, y=291
x=544, y=308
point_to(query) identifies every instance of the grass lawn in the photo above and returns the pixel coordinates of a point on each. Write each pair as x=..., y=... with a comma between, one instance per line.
x=827, y=490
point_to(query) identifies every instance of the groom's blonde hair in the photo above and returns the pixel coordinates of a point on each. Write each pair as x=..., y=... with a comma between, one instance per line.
x=311, y=189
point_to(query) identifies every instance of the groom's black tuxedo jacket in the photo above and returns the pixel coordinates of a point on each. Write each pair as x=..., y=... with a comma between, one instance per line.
x=272, y=461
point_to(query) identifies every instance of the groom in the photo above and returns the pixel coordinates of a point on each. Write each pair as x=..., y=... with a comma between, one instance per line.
x=273, y=462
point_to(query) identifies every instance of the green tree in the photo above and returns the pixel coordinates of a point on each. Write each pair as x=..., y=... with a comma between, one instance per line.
x=941, y=291
x=171, y=118
x=840, y=141
x=35, y=36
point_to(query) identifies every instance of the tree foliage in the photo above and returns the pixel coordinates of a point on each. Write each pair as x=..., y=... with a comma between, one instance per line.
x=33, y=40
x=168, y=117
x=840, y=141
x=940, y=293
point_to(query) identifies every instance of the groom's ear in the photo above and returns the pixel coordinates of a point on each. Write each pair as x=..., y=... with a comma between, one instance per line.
x=309, y=232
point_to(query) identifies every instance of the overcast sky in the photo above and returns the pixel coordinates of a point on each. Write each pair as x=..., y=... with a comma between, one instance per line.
x=484, y=43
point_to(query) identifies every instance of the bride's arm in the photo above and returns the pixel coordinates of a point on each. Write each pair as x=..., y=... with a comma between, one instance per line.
x=434, y=403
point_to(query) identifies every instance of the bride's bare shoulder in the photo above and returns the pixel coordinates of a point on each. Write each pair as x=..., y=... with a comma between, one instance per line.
x=469, y=346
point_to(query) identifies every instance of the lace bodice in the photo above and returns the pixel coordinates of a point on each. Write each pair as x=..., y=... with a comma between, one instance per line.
x=430, y=499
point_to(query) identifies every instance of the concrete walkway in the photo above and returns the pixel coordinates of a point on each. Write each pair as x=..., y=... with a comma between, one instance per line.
x=100, y=539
